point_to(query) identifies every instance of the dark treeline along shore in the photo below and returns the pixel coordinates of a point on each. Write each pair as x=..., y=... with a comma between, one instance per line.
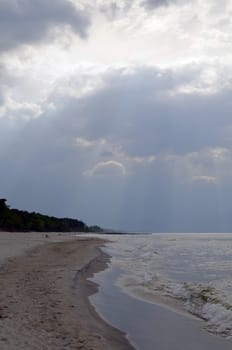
x=20, y=220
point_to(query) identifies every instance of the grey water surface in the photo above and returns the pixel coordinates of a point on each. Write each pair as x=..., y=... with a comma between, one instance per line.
x=150, y=326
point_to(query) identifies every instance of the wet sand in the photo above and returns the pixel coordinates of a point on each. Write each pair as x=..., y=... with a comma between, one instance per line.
x=44, y=295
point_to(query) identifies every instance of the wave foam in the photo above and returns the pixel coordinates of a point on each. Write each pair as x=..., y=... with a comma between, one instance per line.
x=148, y=263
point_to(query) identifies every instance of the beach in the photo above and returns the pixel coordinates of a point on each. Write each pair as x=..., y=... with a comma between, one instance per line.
x=66, y=291
x=44, y=295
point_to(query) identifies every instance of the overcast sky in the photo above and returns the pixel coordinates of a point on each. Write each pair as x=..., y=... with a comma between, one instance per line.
x=118, y=112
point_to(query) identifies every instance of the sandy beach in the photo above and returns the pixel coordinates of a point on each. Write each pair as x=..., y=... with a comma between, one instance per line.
x=44, y=294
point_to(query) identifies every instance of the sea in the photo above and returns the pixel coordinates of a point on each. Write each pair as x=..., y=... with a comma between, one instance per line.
x=168, y=291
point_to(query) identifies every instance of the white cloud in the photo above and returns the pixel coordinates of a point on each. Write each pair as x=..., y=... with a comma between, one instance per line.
x=205, y=179
x=210, y=78
x=109, y=168
x=14, y=110
x=84, y=143
x=211, y=165
x=113, y=155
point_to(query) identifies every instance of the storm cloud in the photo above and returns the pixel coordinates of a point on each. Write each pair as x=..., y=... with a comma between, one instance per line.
x=147, y=102
x=26, y=22
x=152, y=4
x=135, y=137
x=130, y=128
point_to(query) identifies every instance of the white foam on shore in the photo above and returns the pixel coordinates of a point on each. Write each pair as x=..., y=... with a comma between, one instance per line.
x=195, y=270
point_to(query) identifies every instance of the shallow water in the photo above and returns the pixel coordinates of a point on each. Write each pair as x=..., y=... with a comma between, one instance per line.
x=192, y=270
x=150, y=326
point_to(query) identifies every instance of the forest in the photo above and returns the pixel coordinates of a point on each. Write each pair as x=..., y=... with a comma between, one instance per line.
x=20, y=220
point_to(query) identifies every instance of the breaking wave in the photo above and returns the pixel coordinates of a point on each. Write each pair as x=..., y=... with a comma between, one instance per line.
x=174, y=268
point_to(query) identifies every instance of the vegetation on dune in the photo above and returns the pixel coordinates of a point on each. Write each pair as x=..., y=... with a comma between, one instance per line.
x=19, y=220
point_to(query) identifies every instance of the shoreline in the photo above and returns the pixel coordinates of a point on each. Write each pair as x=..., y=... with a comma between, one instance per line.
x=44, y=297
x=151, y=326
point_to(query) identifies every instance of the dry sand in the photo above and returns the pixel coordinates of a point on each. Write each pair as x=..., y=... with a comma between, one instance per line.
x=44, y=294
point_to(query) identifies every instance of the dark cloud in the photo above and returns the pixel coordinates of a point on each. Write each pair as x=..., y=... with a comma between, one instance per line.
x=26, y=21
x=138, y=108
x=113, y=9
x=2, y=97
x=152, y=4
x=43, y=169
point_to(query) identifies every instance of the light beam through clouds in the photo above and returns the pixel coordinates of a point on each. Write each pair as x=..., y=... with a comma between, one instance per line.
x=121, y=108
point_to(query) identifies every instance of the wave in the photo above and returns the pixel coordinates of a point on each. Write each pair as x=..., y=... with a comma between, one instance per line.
x=198, y=299
x=148, y=262
x=206, y=302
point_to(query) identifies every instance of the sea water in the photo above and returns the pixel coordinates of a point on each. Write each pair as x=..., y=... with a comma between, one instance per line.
x=190, y=274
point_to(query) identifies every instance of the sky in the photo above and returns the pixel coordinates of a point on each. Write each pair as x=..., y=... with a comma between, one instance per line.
x=118, y=113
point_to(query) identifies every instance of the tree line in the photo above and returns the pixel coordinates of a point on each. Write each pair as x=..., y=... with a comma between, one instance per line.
x=19, y=220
